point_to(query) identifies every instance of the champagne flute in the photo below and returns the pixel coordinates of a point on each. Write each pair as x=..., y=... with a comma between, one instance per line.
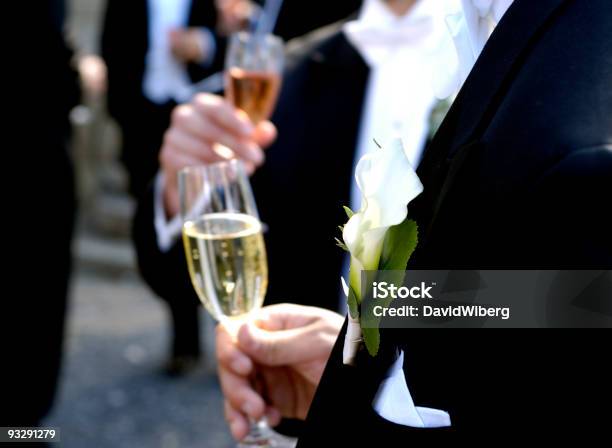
x=226, y=254
x=254, y=63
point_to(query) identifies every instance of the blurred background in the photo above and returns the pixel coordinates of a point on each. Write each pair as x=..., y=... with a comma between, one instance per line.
x=113, y=390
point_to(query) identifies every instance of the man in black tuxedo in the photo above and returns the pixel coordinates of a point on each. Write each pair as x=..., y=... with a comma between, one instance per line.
x=42, y=212
x=518, y=176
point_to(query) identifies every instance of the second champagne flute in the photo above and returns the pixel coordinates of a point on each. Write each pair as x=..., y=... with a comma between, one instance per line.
x=253, y=69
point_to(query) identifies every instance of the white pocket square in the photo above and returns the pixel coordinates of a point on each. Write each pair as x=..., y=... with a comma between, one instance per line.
x=394, y=403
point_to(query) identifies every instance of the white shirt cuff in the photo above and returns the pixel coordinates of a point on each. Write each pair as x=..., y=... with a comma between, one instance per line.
x=167, y=231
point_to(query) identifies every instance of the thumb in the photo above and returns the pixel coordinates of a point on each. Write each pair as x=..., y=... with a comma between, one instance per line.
x=276, y=348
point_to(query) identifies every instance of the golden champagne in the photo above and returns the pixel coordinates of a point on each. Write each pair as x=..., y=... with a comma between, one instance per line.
x=227, y=262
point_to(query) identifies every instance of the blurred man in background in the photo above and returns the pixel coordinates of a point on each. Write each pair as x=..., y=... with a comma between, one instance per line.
x=42, y=219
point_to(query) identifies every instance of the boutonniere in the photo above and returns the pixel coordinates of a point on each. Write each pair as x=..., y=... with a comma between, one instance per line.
x=378, y=236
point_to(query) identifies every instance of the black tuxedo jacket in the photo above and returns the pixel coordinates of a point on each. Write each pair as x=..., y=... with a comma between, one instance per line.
x=302, y=186
x=518, y=176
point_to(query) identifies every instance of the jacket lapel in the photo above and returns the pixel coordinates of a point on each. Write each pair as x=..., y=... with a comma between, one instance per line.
x=477, y=102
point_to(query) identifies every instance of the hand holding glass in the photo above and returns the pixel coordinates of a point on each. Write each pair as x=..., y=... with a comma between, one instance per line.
x=225, y=252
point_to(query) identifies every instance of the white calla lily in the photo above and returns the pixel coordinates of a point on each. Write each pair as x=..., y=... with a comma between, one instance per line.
x=387, y=183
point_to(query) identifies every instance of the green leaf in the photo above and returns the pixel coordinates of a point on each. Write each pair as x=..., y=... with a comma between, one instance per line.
x=341, y=245
x=371, y=337
x=400, y=242
x=348, y=211
x=369, y=322
x=353, y=303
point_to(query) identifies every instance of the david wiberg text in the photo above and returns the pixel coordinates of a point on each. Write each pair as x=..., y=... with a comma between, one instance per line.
x=385, y=290
x=462, y=311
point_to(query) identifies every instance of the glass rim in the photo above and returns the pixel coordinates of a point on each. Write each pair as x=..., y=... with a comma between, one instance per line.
x=207, y=167
x=247, y=36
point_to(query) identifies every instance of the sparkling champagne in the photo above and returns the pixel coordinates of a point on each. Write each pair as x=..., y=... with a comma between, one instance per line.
x=254, y=92
x=227, y=262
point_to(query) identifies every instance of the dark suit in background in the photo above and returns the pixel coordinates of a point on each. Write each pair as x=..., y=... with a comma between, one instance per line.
x=518, y=176
x=41, y=208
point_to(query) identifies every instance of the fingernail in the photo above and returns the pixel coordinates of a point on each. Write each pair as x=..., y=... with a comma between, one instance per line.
x=256, y=154
x=245, y=124
x=247, y=129
x=249, y=409
x=241, y=365
x=234, y=427
x=267, y=126
x=245, y=341
x=273, y=415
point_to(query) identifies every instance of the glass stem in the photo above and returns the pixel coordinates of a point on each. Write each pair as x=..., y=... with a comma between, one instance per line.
x=259, y=434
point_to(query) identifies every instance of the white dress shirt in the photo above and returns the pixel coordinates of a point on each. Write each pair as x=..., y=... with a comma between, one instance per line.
x=165, y=77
